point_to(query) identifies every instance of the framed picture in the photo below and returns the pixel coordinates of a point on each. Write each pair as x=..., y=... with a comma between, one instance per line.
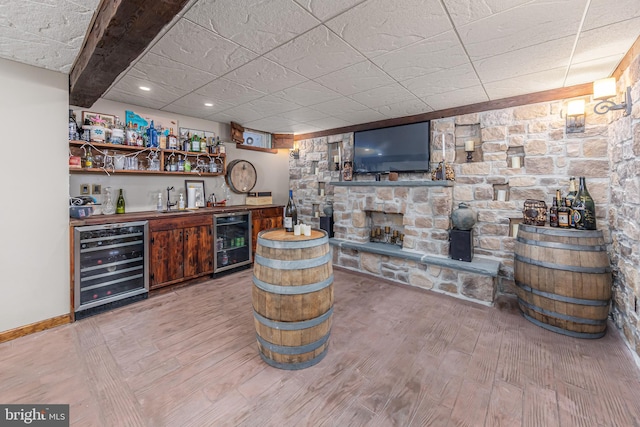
x=198, y=195
x=107, y=119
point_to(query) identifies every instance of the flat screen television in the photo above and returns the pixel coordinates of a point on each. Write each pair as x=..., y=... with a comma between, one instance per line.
x=403, y=148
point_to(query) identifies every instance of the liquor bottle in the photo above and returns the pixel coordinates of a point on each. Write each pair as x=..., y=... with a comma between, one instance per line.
x=584, y=210
x=290, y=214
x=553, y=211
x=152, y=136
x=195, y=143
x=180, y=164
x=88, y=161
x=130, y=135
x=204, y=145
x=73, y=126
x=173, y=140
x=563, y=215
x=120, y=203
x=162, y=138
x=571, y=195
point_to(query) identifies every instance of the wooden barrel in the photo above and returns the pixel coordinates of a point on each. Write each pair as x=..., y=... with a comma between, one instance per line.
x=292, y=297
x=563, y=280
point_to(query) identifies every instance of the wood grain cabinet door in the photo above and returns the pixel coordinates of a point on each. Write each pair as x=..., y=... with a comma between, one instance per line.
x=166, y=262
x=198, y=250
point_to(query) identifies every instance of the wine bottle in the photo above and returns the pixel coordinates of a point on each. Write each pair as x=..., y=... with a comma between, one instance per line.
x=573, y=191
x=563, y=215
x=290, y=214
x=120, y=203
x=584, y=211
x=553, y=211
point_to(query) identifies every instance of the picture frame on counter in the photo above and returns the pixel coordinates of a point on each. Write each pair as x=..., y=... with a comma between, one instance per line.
x=199, y=194
x=109, y=120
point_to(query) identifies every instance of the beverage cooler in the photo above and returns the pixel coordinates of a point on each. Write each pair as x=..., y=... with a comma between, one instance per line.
x=232, y=237
x=111, y=266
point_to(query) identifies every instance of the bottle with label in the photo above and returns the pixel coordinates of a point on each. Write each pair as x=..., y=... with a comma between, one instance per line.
x=563, y=215
x=204, y=144
x=195, y=143
x=88, y=161
x=173, y=166
x=553, y=211
x=120, y=203
x=571, y=195
x=172, y=140
x=152, y=136
x=180, y=164
x=73, y=126
x=584, y=211
x=181, y=202
x=130, y=136
x=290, y=214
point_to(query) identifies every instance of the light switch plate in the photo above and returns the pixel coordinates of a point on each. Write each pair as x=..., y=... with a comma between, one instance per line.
x=84, y=189
x=96, y=189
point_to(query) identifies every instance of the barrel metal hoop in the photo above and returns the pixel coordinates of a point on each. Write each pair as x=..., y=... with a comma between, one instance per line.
x=580, y=320
x=573, y=268
x=556, y=245
x=294, y=264
x=292, y=244
x=562, y=298
x=295, y=366
x=564, y=331
x=292, y=350
x=293, y=326
x=560, y=231
x=292, y=290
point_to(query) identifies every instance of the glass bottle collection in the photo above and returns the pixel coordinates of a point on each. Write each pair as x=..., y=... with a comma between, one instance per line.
x=576, y=210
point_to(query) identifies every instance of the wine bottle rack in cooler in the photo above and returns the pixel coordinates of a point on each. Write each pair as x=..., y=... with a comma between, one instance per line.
x=111, y=266
x=232, y=234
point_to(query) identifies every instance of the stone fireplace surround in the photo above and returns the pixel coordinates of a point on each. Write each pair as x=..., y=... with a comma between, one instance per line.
x=423, y=261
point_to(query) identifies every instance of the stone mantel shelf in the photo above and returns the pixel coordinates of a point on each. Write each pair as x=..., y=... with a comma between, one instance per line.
x=392, y=183
x=478, y=265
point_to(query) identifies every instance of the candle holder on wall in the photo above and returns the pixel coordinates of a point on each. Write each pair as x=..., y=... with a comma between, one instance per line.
x=386, y=235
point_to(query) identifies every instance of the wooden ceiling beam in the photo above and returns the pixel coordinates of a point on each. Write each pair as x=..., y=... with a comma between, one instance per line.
x=120, y=32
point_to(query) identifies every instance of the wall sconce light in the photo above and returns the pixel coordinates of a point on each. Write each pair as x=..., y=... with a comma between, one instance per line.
x=575, y=116
x=605, y=89
x=469, y=148
x=294, y=152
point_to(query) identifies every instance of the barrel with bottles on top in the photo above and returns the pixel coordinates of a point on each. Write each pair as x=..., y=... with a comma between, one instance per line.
x=562, y=274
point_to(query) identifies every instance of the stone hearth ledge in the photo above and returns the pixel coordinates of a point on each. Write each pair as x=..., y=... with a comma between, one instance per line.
x=478, y=265
x=391, y=183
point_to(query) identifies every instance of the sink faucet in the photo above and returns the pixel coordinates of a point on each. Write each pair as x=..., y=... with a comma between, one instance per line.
x=169, y=204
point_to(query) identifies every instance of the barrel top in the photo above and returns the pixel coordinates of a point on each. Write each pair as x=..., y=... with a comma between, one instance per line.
x=280, y=235
x=566, y=232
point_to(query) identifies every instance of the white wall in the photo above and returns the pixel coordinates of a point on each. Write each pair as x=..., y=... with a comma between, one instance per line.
x=141, y=192
x=34, y=228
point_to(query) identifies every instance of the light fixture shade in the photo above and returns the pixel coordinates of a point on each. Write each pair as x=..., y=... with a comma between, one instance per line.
x=575, y=107
x=604, y=89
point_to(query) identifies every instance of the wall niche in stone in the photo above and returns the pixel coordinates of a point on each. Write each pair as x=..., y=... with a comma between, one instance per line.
x=465, y=133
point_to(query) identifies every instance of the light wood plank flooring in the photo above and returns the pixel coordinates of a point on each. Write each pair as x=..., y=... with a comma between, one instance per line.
x=398, y=356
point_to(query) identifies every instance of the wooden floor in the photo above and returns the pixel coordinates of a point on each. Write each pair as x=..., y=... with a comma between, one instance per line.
x=398, y=356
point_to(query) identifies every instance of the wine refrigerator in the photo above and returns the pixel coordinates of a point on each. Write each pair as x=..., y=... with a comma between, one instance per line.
x=111, y=266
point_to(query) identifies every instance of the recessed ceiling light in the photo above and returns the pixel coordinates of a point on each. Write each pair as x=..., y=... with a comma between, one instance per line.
x=208, y=104
x=145, y=88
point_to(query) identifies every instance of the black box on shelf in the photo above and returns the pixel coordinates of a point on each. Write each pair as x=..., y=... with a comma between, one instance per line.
x=326, y=224
x=461, y=245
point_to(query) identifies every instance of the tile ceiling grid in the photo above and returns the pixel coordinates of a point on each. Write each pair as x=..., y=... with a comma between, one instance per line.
x=306, y=65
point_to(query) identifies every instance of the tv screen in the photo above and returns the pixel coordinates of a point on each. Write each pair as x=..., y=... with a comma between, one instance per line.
x=403, y=148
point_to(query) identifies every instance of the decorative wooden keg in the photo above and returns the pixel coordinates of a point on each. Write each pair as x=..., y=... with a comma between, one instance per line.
x=292, y=297
x=563, y=279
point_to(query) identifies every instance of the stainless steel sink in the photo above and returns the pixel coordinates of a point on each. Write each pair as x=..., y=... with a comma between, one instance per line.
x=176, y=211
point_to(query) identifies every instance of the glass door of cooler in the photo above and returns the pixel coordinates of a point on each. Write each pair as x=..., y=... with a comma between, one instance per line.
x=111, y=263
x=232, y=236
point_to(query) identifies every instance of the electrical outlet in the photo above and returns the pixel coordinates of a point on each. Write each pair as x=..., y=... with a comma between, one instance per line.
x=97, y=189
x=84, y=189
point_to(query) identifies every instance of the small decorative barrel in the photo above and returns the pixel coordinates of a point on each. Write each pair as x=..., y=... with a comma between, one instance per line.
x=292, y=297
x=563, y=279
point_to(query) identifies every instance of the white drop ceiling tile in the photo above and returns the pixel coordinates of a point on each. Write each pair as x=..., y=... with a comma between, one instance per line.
x=226, y=91
x=199, y=48
x=244, y=113
x=196, y=101
x=365, y=116
x=273, y=124
x=356, y=78
x=529, y=83
x=158, y=69
x=326, y=9
x=301, y=128
x=265, y=76
x=592, y=70
x=404, y=108
x=271, y=105
x=459, y=77
x=316, y=53
x=340, y=106
x=129, y=98
x=605, y=12
x=36, y=51
x=383, y=95
x=463, y=11
x=428, y=56
x=456, y=98
x=523, y=26
x=255, y=24
x=187, y=109
x=304, y=114
x=540, y=57
x=158, y=92
x=606, y=41
x=329, y=123
x=379, y=26
x=308, y=93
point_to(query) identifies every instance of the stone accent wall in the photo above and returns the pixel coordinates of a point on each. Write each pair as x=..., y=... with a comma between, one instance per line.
x=624, y=220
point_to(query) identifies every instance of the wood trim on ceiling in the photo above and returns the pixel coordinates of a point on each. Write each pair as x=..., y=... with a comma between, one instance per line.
x=627, y=59
x=514, y=101
x=120, y=32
